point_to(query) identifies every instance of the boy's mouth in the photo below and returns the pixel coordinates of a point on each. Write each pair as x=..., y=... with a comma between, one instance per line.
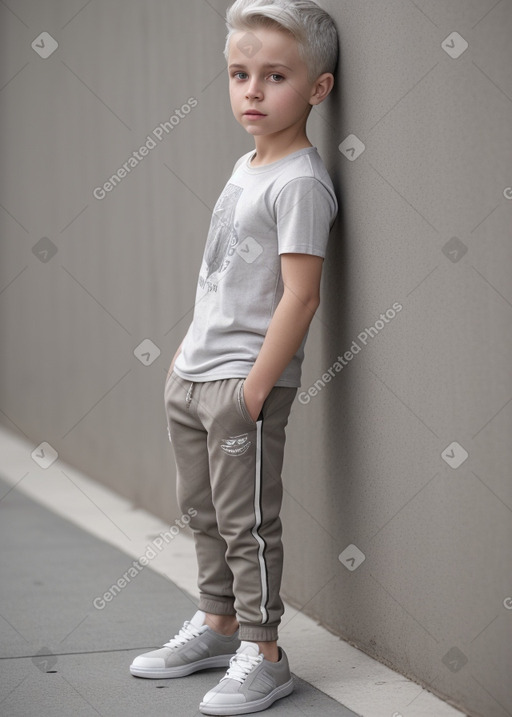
x=254, y=113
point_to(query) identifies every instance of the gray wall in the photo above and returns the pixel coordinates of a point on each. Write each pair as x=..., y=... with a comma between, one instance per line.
x=424, y=221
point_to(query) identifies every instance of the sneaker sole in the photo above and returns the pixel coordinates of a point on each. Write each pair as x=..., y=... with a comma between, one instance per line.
x=159, y=673
x=248, y=707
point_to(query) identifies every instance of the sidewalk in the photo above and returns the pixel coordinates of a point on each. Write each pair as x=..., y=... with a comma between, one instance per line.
x=60, y=656
x=67, y=638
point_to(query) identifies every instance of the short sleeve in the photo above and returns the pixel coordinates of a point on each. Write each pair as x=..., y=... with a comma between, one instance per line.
x=305, y=211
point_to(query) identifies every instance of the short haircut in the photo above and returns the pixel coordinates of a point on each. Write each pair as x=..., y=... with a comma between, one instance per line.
x=311, y=26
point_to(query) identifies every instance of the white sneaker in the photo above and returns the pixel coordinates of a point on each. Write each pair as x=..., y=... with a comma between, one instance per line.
x=251, y=683
x=195, y=647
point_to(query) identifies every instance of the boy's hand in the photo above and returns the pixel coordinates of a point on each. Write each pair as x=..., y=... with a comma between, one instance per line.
x=253, y=398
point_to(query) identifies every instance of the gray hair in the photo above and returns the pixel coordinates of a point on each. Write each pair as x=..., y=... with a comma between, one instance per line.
x=312, y=27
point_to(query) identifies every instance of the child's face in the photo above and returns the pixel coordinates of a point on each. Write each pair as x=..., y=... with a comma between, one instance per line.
x=267, y=74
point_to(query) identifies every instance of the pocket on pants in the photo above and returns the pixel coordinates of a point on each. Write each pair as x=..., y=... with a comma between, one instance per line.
x=172, y=383
x=169, y=374
x=242, y=407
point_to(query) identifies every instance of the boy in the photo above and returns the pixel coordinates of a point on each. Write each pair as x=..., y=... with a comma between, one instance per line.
x=232, y=381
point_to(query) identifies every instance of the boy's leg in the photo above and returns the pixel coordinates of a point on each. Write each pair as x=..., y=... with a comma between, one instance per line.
x=189, y=440
x=199, y=644
x=245, y=472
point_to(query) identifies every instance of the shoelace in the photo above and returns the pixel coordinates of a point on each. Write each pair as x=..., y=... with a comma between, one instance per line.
x=241, y=665
x=187, y=632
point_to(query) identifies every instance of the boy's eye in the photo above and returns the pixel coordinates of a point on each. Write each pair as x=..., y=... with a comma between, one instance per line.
x=239, y=75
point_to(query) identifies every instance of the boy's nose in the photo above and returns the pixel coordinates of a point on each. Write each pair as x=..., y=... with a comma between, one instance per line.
x=253, y=91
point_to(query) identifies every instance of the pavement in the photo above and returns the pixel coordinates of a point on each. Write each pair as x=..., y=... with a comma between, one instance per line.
x=62, y=656
x=67, y=637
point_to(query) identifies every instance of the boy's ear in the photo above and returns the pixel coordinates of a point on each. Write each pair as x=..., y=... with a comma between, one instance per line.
x=321, y=88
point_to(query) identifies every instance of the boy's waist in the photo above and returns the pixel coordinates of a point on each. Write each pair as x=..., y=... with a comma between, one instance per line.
x=290, y=377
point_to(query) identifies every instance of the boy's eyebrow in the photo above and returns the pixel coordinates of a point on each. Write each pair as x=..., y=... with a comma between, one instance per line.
x=267, y=65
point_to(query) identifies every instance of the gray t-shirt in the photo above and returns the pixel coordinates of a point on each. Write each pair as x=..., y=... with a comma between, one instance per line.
x=287, y=206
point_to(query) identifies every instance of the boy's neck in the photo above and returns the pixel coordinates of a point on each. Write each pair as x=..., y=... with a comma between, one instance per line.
x=271, y=151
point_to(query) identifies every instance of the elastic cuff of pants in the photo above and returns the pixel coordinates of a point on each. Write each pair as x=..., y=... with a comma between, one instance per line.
x=217, y=606
x=257, y=633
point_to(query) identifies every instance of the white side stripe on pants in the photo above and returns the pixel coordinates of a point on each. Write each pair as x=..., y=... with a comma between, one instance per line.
x=257, y=515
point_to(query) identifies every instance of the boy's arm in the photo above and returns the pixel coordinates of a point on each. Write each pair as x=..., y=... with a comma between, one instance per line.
x=301, y=278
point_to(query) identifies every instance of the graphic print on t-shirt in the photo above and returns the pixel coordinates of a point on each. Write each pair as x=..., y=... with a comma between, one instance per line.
x=222, y=237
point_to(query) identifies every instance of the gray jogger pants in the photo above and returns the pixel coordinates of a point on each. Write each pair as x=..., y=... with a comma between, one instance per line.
x=229, y=482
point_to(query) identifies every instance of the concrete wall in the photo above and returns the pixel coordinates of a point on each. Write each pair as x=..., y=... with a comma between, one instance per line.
x=424, y=223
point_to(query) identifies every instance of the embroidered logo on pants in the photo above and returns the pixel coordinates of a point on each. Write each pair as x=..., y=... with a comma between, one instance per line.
x=236, y=445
